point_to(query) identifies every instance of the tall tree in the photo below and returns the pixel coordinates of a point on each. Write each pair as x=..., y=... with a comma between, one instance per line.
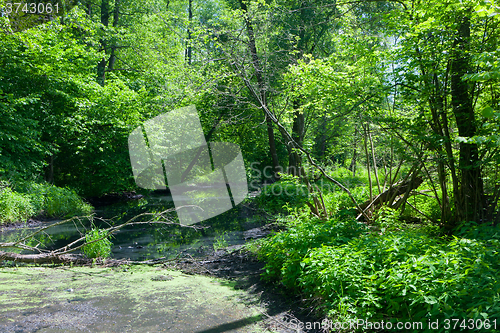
x=441, y=39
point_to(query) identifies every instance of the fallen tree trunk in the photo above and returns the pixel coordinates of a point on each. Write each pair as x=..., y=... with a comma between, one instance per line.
x=394, y=191
x=42, y=258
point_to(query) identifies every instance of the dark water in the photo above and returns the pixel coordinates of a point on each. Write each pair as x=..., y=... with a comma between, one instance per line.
x=142, y=242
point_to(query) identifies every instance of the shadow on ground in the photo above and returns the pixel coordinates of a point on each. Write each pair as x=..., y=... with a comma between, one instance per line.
x=241, y=270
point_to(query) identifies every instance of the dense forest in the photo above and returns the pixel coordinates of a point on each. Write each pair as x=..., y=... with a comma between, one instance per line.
x=370, y=130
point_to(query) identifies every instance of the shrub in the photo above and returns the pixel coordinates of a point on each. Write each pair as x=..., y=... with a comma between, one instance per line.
x=14, y=206
x=337, y=200
x=53, y=201
x=402, y=275
x=284, y=251
x=388, y=219
x=95, y=248
x=220, y=241
x=405, y=275
x=287, y=191
x=32, y=199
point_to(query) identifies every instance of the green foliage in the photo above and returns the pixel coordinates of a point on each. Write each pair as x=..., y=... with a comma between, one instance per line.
x=348, y=179
x=97, y=243
x=394, y=276
x=54, y=112
x=53, y=201
x=220, y=241
x=288, y=191
x=472, y=230
x=388, y=219
x=284, y=251
x=338, y=201
x=14, y=206
x=95, y=137
x=32, y=199
x=40, y=71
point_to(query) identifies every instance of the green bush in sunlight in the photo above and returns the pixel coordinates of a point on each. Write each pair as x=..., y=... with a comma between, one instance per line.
x=14, y=206
x=287, y=191
x=388, y=219
x=400, y=275
x=338, y=200
x=220, y=241
x=97, y=244
x=32, y=199
x=405, y=275
x=53, y=201
x=284, y=251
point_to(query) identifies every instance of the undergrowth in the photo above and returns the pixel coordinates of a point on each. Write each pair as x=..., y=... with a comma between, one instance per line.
x=288, y=191
x=97, y=243
x=33, y=199
x=395, y=275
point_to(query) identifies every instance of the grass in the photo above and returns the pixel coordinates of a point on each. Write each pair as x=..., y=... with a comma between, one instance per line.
x=34, y=199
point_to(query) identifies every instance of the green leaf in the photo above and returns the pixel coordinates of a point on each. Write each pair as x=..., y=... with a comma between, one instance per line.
x=488, y=112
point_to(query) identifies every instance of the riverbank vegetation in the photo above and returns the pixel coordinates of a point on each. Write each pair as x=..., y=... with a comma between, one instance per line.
x=32, y=199
x=392, y=270
x=370, y=128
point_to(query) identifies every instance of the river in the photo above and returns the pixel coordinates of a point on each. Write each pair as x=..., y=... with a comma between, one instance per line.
x=143, y=242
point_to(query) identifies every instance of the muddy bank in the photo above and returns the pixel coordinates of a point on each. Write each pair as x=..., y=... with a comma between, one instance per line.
x=30, y=223
x=241, y=267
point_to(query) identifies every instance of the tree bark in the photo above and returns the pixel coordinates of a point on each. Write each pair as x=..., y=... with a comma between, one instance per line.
x=370, y=185
x=294, y=160
x=372, y=149
x=116, y=16
x=470, y=194
x=398, y=189
x=189, y=37
x=41, y=258
x=352, y=167
x=101, y=66
x=262, y=89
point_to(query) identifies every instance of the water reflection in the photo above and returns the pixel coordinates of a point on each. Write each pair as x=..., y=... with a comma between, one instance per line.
x=142, y=242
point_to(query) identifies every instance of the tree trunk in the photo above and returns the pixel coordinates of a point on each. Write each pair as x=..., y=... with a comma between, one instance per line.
x=41, y=258
x=50, y=172
x=394, y=191
x=352, y=167
x=370, y=185
x=188, y=42
x=294, y=160
x=101, y=66
x=470, y=194
x=116, y=16
x=262, y=90
x=372, y=149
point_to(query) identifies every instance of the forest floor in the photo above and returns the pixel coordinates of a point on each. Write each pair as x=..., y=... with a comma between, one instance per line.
x=221, y=292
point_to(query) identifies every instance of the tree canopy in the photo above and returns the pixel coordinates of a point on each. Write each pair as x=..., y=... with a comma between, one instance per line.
x=403, y=89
